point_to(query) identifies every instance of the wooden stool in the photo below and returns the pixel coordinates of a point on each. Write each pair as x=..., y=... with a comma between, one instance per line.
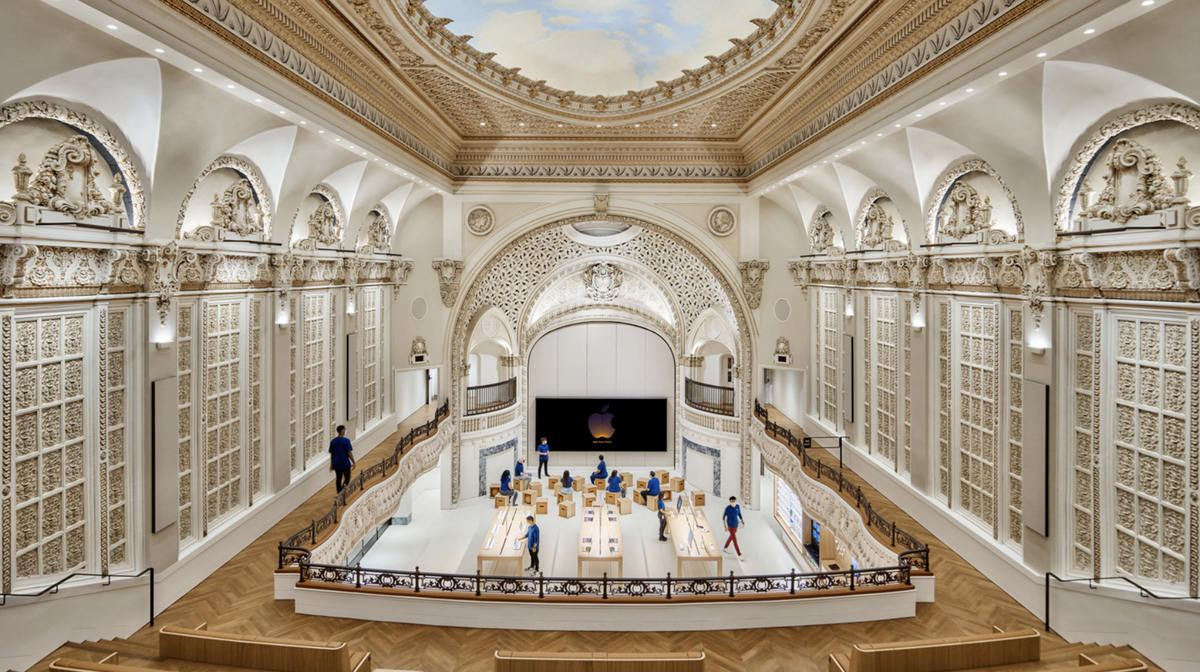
x=519, y=485
x=554, y=482
x=652, y=503
x=611, y=497
x=564, y=497
x=493, y=489
x=697, y=498
x=566, y=509
x=536, y=486
x=528, y=497
x=677, y=484
x=589, y=500
x=501, y=501
x=643, y=483
x=589, y=489
x=542, y=505
x=626, y=479
x=637, y=497
x=666, y=494
x=664, y=476
x=625, y=506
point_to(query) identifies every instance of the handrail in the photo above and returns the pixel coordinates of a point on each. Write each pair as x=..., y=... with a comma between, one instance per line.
x=917, y=554
x=1092, y=584
x=292, y=549
x=52, y=589
x=492, y=397
x=710, y=398
x=603, y=588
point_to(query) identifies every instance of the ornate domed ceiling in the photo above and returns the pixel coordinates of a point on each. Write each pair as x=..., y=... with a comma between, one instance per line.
x=602, y=90
x=605, y=47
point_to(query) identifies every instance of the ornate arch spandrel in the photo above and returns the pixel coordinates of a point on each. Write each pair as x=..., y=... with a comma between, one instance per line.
x=508, y=280
x=250, y=174
x=863, y=220
x=41, y=109
x=952, y=176
x=331, y=200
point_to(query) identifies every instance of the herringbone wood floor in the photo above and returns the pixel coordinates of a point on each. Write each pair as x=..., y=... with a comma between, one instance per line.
x=239, y=598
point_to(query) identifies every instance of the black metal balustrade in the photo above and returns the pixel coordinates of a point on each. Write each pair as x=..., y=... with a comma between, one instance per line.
x=488, y=398
x=294, y=550
x=917, y=555
x=603, y=588
x=710, y=398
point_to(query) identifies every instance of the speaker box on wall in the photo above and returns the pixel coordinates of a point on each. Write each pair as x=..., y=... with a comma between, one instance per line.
x=164, y=453
x=1035, y=456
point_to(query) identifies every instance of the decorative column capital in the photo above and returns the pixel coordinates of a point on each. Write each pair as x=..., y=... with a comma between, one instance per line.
x=449, y=272
x=164, y=263
x=801, y=272
x=753, y=274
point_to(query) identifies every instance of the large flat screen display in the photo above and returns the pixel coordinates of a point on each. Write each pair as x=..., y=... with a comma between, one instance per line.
x=602, y=424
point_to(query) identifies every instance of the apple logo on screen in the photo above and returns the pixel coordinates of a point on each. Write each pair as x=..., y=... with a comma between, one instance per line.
x=600, y=424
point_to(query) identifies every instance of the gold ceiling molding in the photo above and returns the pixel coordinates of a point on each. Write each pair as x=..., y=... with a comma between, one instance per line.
x=479, y=68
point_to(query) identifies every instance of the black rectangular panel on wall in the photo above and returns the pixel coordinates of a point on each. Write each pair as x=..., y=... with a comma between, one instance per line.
x=1035, y=466
x=603, y=424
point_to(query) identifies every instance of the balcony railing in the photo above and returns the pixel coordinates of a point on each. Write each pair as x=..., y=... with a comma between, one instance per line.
x=488, y=398
x=710, y=398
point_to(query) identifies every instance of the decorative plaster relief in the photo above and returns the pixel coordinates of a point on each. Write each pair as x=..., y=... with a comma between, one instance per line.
x=481, y=220
x=753, y=274
x=449, y=273
x=956, y=210
x=721, y=221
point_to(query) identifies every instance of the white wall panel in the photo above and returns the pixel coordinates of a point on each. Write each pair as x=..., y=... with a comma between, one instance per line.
x=632, y=355
x=602, y=361
x=572, y=362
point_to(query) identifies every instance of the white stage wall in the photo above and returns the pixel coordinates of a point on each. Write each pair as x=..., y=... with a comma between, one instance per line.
x=602, y=360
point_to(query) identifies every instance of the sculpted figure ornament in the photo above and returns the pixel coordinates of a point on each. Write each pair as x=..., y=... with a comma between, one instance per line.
x=964, y=213
x=782, y=348
x=1134, y=186
x=602, y=281
x=323, y=225
x=399, y=270
x=721, y=221
x=600, y=201
x=753, y=273
x=66, y=181
x=480, y=220
x=820, y=234
x=13, y=261
x=234, y=211
x=877, y=227
x=1037, y=269
x=379, y=232
x=449, y=272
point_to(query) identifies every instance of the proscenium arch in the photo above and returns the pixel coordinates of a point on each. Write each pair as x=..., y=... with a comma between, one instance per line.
x=510, y=276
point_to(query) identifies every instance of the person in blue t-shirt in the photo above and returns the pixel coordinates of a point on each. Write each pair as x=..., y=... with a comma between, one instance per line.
x=662, y=518
x=506, y=488
x=615, y=485
x=534, y=535
x=568, y=486
x=732, y=516
x=543, y=451
x=653, y=487
x=341, y=458
x=519, y=472
x=601, y=472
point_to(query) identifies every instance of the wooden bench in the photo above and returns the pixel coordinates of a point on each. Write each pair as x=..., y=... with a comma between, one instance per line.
x=522, y=661
x=109, y=664
x=260, y=653
x=943, y=655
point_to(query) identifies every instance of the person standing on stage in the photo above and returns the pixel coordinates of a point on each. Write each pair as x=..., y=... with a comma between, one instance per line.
x=534, y=535
x=543, y=451
x=732, y=516
x=653, y=487
x=519, y=472
x=341, y=458
x=662, y=518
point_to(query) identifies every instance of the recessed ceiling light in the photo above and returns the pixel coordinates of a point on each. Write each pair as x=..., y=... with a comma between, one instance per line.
x=483, y=123
x=111, y=27
x=879, y=135
x=351, y=146
x=970, y=90
x=824, y=162
x=364, y=153
x=521, y=124
x=159, y=51
x=597, y=125
x=814, y=165
x=197, y=69
x=898, y=125
x=560, y=125
x=919, y=115
x=337, y=139
x=1004, y=74
x=864, y=142
x=714, y=125
x=303, y=122
x=1042, y=54
x=320, y=131
x=1147, y=3
x=1089, y=31
x=942, y=103
x=674, y=124
x=637, y=125
x=229, y=86
x=258, y=100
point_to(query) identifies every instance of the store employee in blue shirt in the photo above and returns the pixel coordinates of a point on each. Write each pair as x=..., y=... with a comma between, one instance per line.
x=662, y=518
x=506, y=488
x=534, y=535
x=653, y=487
x=519, y=472
x=543, y=451
x=601, y=472
x=615, y=485
x=341, y=458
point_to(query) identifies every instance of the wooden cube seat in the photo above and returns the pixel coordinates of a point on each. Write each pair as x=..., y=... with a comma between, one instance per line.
x=501, y=501
x=566, y=509
x=493, y=489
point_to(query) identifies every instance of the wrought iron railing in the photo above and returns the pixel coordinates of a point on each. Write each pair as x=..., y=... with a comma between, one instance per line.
x=488, y=398
x=917, y=553
x=710, y=398
x=1094, y=583
x=295, y=548
x=603, y=588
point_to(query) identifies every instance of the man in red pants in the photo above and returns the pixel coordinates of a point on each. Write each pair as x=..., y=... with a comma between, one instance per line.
x=733, y=516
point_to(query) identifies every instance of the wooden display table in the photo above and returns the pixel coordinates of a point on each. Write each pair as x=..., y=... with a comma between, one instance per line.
x=600, y=537
x=692, y=537
x=502, y=542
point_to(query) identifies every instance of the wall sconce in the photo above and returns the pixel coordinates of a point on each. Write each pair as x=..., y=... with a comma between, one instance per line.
x=350, y=307
x=281, y=316
x=918, y=320
x=161, y=328
x=850, y=306
x=1039, y=341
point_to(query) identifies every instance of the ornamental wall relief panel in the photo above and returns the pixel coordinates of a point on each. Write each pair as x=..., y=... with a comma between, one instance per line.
x=879, y=224
x=1083, y=482
x=185, y=367
x=320, y=222
x=973, y=204
x=823, y=236
x=1129, y=173
x=377, y=231
x=231, y=202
